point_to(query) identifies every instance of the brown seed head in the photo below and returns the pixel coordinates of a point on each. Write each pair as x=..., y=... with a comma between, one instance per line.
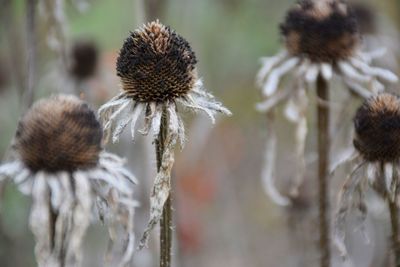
x=84, y=59
x=321, y=30
x=155, y=64
x=59, y=134
x=377, y=125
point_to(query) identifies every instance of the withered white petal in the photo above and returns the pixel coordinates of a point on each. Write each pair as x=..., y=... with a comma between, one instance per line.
x=374, y=71
x=70, y=197
x=268, y=172
x=350, y=72
x=135, y=116
x=312, y=73
x=268, y=63
x=344, y=204
x=271, y=85
x=326, y=71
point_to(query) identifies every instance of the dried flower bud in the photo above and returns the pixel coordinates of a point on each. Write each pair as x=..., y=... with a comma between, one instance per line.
x=377, y=125
x=156, y=64
x=321, y=30
x=84, y=58
x=59, y=134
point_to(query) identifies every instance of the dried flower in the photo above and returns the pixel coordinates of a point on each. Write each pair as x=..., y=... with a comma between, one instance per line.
x=377, y=125
x=375, y=160
x=321, y=39
x=158, y=74
x=60, y=163
x=84, y=56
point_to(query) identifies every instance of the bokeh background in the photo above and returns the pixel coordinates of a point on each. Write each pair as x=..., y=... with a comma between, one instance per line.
x=222, y=215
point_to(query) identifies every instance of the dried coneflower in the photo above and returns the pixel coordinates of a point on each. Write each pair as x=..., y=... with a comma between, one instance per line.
x=321, y=39
x=61, y=165
x=83, y=60
x=375, y=164
x=157, y=68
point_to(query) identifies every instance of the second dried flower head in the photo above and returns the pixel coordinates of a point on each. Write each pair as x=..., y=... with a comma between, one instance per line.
x=61, y=165
x=375, y=161
x=321, y=40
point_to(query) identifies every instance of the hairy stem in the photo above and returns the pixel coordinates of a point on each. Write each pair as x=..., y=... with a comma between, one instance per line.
x=323, y=168
x=166, y=219
x=394, y=221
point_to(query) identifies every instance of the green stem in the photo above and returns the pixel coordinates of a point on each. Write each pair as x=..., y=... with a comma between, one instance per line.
x=323, y=166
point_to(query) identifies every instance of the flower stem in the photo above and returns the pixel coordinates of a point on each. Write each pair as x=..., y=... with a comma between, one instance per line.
x=31, y=48
x=166, y=219
x=394, y=221
x=166, y=234
x=323, y=165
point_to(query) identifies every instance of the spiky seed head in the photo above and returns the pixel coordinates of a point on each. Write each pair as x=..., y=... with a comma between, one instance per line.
x=84, y=57
x=60, y=133
x=156, y=64
x=377, y=127
x=365, y=16
x=321, y=30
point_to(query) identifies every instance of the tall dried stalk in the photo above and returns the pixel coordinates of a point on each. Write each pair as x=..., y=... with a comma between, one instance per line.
x=32, y=53
x=166, y=219
x=394, y=220
x=323, y=168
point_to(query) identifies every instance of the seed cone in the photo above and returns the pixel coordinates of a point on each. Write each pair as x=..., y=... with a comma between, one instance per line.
x=59, y=134
x=84, y=58
x=321, y=30
x=156, y=64
x=377, y=125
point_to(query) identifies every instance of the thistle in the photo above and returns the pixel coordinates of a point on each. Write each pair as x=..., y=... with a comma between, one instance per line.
x=158, y=76
x=61, y=165
x=375, y=164
x=321, y=39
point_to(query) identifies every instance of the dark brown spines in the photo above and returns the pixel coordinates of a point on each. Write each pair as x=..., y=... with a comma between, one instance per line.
x=377, y=125
x=156, y=64
x=84, y=58
x=323, y=30
x=59, y=134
